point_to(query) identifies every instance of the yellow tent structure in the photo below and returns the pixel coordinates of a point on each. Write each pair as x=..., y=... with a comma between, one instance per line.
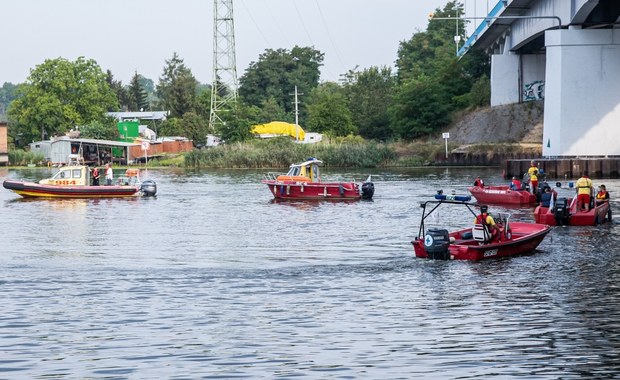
x=279, y=128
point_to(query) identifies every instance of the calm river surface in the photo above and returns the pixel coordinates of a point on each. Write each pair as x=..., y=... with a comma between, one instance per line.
x=212, y=279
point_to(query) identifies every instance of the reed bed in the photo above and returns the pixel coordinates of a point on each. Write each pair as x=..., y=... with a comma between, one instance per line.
x=280, y=153
x=23, y=158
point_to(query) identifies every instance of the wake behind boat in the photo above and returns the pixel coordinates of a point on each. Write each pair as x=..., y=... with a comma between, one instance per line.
x=73, y=181
x=303, y=182
x=477, y=242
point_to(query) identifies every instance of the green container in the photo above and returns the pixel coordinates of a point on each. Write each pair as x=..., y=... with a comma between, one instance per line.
x=128, y=130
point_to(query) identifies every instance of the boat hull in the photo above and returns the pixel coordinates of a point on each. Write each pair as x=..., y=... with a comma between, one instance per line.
x=314, y=190
x=525, y=238
x=597, y=215
x=33, y=190
x=502, y=195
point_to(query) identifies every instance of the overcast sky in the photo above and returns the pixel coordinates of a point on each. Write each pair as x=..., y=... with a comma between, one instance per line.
x=125, y=36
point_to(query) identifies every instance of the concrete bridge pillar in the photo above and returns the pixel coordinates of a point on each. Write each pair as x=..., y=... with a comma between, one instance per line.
x=582, y=100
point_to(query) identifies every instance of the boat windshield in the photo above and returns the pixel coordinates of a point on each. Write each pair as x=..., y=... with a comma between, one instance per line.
x=294, y=171
x=68, y=173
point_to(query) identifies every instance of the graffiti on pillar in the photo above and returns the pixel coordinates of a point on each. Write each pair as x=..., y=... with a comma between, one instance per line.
x=534, y=91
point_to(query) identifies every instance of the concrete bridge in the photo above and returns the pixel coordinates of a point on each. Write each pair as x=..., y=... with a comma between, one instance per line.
x=566, y=52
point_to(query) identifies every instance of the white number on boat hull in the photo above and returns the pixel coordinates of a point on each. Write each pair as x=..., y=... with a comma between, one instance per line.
x=490, y=252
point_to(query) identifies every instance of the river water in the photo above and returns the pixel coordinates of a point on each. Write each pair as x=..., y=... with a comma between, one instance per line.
x=212, y=279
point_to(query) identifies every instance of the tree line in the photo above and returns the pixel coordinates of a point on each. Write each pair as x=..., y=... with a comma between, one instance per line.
x=417, y=100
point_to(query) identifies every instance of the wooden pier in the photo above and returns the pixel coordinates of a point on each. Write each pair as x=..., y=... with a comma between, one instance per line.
x=553, y=168
x=566, y=168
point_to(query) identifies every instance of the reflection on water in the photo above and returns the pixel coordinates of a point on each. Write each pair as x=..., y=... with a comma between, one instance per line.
x=214, y=279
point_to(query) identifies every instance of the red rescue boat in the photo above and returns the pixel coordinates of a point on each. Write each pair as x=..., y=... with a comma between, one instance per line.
x=502, y=194
x=563, y=212
x=474, y=243
x=303, y=182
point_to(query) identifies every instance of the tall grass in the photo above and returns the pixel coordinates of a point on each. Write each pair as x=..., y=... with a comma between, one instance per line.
x=281, y=152
x=22, y=158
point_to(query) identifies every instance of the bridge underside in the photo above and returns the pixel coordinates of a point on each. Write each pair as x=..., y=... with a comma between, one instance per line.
x=567, y=53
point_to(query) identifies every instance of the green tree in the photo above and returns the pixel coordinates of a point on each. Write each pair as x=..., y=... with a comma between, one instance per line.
x=276, y=73
x=369, y=95
x=195, y=127
x=138, y=94
x=117, y=87
x=104, y=129
x=328, y=111
x=237, y=126
x=176, y=89
x=8, y=92
x=59, y=95
x=419, y=108
x=426, y=51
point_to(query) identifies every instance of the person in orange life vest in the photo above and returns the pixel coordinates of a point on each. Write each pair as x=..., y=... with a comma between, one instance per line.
x=515, y=184
x=479, y=182
x=602, y=196
x=584, y=190
x=487, y=220
x=96, y=176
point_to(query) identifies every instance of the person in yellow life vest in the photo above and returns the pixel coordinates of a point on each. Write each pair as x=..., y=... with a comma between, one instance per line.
x=584, y=189
x=534, y=181
x=533, y=166
x=487, y=220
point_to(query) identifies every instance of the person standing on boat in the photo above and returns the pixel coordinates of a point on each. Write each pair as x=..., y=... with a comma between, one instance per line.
x=109, y=176
x=534, y=181
x=479, y=182
x=585, y=189
x=96, y=176
x=487, y=220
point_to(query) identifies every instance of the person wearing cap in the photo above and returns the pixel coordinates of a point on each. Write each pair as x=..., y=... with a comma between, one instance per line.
x=487, y=220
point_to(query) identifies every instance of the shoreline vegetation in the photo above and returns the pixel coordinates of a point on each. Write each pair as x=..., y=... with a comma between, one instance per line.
x=278, y=153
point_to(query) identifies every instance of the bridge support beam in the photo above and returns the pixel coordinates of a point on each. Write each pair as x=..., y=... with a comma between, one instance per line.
x=516, y=78
x=582, y=93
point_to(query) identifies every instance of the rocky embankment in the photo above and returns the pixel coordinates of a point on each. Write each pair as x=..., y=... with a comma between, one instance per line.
x=520, y=124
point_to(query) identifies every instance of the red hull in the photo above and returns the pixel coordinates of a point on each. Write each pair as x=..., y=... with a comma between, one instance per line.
x=31, y=189
x=314, y=190
x=502, y=195
x=525, y=238
x=595, y=216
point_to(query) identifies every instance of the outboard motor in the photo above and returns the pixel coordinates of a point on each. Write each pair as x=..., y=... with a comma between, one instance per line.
x=436, y=244
x=561, y=212
x=148, y=188
x=368, y=189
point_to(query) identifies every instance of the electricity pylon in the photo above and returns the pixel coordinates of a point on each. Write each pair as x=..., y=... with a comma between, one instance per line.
x=224, y=84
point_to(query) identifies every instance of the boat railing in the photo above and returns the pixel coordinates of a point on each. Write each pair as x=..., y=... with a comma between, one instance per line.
x=271, y=176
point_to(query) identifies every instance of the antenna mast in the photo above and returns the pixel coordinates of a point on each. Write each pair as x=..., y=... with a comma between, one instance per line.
x=224, y=83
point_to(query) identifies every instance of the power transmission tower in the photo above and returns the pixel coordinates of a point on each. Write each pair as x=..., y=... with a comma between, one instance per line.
x=224, y=84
